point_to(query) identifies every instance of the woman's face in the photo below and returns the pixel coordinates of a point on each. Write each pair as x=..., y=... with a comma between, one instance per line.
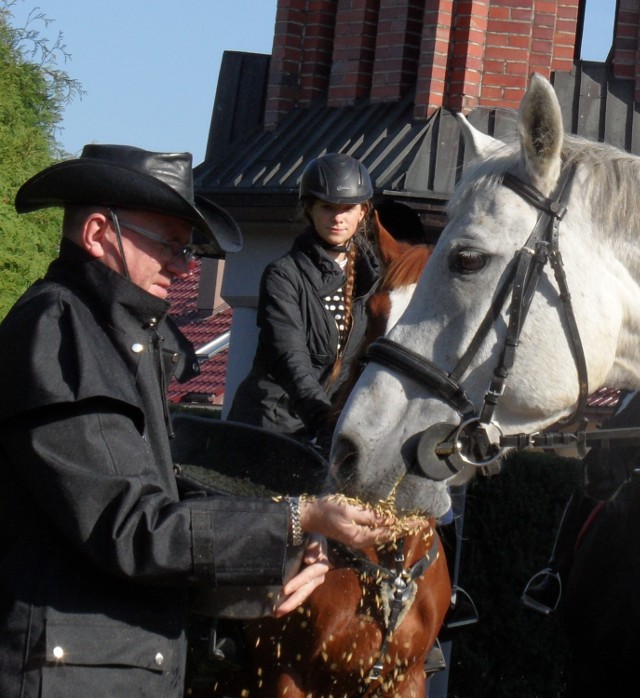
x=336, y=224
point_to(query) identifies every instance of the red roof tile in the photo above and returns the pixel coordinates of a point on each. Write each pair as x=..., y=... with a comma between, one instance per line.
x=208, y=387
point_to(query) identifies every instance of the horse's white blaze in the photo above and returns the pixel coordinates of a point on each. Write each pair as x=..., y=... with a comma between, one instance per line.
x=375, y=438
x=399, y=299
x=380, y=420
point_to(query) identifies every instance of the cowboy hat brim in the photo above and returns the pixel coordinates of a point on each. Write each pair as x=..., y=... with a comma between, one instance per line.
x=106, y=183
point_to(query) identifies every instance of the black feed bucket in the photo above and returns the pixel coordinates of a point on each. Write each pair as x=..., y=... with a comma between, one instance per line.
x=214, y=457
x=232, y=458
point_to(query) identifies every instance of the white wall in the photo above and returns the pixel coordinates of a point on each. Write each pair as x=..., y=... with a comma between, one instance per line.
x=240, y=289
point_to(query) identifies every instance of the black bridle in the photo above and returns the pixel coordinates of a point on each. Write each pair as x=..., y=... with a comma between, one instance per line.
x=444, y=449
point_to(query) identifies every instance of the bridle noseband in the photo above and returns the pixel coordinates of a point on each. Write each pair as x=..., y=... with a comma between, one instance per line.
x=445, y=449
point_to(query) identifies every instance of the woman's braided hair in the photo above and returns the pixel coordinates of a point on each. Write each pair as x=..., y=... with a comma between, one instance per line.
x=362, y=234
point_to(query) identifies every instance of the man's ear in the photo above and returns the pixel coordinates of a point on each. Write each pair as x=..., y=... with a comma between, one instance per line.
x=92, y=233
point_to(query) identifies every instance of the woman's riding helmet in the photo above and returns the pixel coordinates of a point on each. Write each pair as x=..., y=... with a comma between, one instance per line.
x=337, y=179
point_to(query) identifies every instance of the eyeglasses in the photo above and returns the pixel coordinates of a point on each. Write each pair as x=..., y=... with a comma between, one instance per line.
x=173, y=250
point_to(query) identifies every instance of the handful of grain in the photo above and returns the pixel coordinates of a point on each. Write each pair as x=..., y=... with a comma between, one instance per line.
x=403, y=524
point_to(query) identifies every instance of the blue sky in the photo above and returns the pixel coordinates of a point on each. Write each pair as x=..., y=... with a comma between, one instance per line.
x=150, y=67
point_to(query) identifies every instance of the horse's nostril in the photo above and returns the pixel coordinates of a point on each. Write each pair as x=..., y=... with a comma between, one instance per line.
x=344, y=459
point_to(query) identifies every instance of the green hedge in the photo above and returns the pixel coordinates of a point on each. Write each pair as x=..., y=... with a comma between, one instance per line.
x=509, y=529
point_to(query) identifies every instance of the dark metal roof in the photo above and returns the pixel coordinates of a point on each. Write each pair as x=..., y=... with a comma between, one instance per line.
x=410, y=160
x=262, y=170
x=271, y=161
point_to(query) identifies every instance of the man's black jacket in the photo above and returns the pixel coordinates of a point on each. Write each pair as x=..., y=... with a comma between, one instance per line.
x=97, y=552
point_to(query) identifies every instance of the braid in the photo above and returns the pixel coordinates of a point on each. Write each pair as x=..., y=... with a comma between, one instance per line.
x=348, y=287
x=350, y=270
x=363, y=234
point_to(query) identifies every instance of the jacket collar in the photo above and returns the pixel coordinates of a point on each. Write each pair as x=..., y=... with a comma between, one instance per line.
x=325, y=274
x=89, y=277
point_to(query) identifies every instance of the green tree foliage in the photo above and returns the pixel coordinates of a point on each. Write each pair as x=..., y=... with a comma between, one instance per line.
x=33, y=93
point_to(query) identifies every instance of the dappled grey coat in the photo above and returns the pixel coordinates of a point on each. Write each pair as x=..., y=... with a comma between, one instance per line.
x=97, y=553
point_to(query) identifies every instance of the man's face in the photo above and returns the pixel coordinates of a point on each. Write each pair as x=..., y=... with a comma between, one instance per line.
x=152, y=263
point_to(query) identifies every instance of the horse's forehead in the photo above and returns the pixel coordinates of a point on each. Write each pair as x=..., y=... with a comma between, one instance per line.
x=481, y=196
x=490, y=213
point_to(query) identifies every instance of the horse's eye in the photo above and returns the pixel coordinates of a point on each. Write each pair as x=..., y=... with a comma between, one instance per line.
x=468, y=261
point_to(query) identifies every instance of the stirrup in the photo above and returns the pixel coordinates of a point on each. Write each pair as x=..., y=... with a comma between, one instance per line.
x=462, y=610
x=223, y=650
x=435, y=660
x=546, y=585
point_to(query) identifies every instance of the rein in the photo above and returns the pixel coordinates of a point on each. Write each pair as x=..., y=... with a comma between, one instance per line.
x=443, y=449
x=400, y=580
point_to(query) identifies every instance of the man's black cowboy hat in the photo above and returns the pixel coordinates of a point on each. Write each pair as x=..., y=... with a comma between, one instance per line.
x=123, y=176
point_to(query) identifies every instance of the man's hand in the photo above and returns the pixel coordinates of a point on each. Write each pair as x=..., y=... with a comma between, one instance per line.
x=298, y=589
x=355, y=526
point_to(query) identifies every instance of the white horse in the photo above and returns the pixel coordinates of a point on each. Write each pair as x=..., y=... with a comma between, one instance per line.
x=501, y=341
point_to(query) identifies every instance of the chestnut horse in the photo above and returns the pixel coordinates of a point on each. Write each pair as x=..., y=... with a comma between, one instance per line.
x=367, y=630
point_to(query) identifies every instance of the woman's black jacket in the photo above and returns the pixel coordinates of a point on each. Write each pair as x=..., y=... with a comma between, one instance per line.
x=286, y=389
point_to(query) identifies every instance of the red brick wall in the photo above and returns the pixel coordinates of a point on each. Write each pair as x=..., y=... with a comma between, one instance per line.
x=497, y=44
x=286, y=58
x=455, y=53
x=353, y=51
x=397, y=49
x=626, y=59
x=437, y=34
x=468, y=48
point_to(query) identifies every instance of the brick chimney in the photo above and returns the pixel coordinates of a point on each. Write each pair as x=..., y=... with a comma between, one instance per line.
x=457, y=54
x=624, y=53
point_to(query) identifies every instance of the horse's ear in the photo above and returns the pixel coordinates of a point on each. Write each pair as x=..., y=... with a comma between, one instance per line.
x=477, y=144
x=541, y=132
